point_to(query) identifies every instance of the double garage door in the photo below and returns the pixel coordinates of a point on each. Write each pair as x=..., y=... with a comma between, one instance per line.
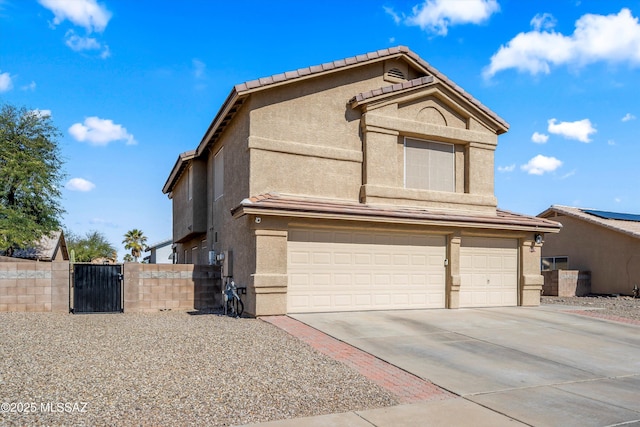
x=335, y=270
x=359, y=270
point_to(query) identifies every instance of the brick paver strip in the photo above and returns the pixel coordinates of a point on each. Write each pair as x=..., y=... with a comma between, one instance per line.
x=598, y=315
x=407, y=387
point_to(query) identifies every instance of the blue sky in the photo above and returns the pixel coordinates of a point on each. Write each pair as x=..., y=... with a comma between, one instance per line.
x=131, y=84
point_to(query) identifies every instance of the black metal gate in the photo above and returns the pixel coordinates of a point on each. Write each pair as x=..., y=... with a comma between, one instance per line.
x=97, y=288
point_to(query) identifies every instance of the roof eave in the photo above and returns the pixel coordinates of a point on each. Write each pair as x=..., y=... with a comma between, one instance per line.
x=566, y=212
x=244, y=209
x=228, y=104
x=176, y=171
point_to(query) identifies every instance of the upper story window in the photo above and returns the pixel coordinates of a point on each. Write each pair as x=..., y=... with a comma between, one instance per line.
x=218, y=174
x=429, y=165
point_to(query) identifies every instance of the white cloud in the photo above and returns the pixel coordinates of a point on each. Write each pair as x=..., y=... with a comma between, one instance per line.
x=79, y=184
x=617, y=199
x=611, y=38
x=103, y=222
x=435, y=16
x=611, y=142
x=389, y=11
x=569, y=174
x=544, y=21
x=5, y=82
x=84, y=13
x=509, y=168
x=199, y=68
x=80, y=43
x=579, y=130
x=539, y=138
x=31, y=86
x=97, y=131
x=541, y=164
x=41, y=113
x=628, y=117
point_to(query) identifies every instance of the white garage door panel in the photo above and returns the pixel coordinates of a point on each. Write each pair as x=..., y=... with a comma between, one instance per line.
x=488, y=272
x=343, y=271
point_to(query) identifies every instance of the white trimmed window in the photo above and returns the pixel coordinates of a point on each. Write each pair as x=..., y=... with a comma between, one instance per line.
x=429, y=165
x=218, y=175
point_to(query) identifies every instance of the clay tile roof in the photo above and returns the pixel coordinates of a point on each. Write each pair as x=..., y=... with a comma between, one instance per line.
x=240, y=91
x=419, y=82
x=45, y=249
x=281, y=204
x=380, y=54
x=629, y=227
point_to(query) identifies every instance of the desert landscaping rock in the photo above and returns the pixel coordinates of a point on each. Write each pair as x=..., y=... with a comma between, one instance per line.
x=173, y=368
x=169, y=368
x=621, y=306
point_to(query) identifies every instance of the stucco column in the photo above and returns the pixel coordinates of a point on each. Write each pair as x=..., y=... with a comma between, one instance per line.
x=269, y=283
x=480, y=170
x=531, y=280
x=380, y=158
x=453, y=271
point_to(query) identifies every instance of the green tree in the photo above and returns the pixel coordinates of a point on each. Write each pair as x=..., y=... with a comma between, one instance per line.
x=91, y=246
x=30, y=177
x=127, y=258
x=135, y=241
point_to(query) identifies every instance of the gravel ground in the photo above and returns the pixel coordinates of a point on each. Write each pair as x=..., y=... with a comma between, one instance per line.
x=167, y=368
x=174, y=368
x=622, y=306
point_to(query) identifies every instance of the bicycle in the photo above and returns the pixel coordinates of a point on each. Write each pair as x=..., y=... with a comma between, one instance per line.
x=232, y=303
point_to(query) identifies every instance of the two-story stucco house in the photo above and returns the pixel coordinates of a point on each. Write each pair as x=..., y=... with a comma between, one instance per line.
x=360, y=184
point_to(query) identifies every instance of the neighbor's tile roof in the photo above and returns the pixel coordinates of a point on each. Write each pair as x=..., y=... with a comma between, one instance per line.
x=631, y=228
x=297, y=204
x=45, y=249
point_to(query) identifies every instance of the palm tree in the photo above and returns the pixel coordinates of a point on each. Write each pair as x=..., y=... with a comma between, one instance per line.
x=135, y=240
x=128, y=258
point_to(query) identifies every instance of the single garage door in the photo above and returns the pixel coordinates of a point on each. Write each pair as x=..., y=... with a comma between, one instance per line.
x=488, y=272
x=331, y=270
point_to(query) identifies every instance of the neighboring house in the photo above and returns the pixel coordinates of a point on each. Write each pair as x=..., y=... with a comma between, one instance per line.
x=365, y=183
x=49, y=249
x=160, y=252
x=605, y=243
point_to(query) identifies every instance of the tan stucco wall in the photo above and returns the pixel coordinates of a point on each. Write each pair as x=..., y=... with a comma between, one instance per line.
x=531, y=279
x=267, y=293
x=190, y=214
x=612, y=257
x=304, y=138
x=386, y=125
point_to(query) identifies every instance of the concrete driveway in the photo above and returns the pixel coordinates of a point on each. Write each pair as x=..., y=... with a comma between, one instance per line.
x=541, y=366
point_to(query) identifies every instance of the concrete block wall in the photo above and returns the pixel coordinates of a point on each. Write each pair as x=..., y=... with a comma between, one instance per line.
x=566, y=283
x=44, y=287
x=34, y=286
x=154, y=287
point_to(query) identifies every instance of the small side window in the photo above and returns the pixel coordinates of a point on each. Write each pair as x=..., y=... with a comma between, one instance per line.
x=554, y=263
